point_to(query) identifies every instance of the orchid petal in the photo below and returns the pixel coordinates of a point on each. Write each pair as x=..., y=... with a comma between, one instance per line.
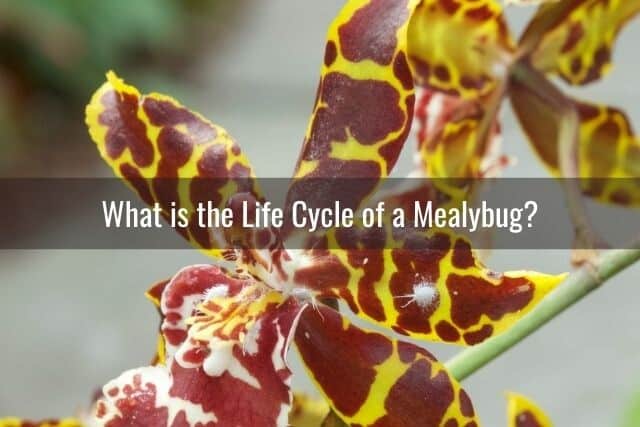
x=371, y=380
x=432, y=287
x=522, y=412
x=608, y=149
x=574, y=38
x=182, y=296
x=229, y=370
x=451, y=141
x=364, y=108
x=459, y=47
x=153, y=142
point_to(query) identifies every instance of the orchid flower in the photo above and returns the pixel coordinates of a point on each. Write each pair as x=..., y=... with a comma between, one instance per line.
x=226, y=328
x=305, y=412
x=469, y=63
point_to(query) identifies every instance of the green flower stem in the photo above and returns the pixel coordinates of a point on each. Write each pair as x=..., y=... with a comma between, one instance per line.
x=575, y=287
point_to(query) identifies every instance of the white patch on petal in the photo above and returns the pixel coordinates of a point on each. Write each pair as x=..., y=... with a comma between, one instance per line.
x=216, y=291
x=291, y=336
x=277, y=357
x=238, y=371
x=434, y=111
x=283, y=416
x=250, y=341
x=220, y=358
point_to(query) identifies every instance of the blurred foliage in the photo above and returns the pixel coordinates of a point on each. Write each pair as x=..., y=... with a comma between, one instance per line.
x=631, y=416
x=67, y=44
x=53, y=52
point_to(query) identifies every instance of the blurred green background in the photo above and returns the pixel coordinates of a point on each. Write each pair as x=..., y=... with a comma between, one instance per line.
x=71, y=320
x=53, y=52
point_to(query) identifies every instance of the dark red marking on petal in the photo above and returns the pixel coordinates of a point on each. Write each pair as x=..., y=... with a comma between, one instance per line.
x=451, y=423
x=471, y=297
x=166, y=114
x=409, y=352
x=462, y=256
x=476, y=337
x=428, y=399
x=576, y=32
x=132, y=175
x=450, y=6
x=442, y=73
x=371, y=32
x=482, y=13
x=601, y=57
x=402, y=71
x=369, y=109
x=527, y=419
x=465, y=404
x=330, y=53
x=447, y=331
x=373, y=270
x=341, y=360
x=124, y=128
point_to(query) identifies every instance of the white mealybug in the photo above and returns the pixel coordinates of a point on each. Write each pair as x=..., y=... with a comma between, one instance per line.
x=424, y=294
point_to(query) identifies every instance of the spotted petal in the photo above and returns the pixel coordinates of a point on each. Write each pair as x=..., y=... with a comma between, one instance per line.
x=371, y=380
x=376, y=50
x=609, y=149
x=229, y=370
x=522, y=412
x=459, y=47
x=451, y=141
x=574, y=38
x=432, y=287
x=182, y=296
x=177, y=300
x=365, y=102
x=168, y=153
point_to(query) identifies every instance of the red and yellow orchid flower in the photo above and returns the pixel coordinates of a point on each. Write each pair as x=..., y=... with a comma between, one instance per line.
x=226, y=328
x=306, y=412
x=469, y=63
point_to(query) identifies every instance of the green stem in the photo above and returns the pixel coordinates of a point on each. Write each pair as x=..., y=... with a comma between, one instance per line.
x=575, y=287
